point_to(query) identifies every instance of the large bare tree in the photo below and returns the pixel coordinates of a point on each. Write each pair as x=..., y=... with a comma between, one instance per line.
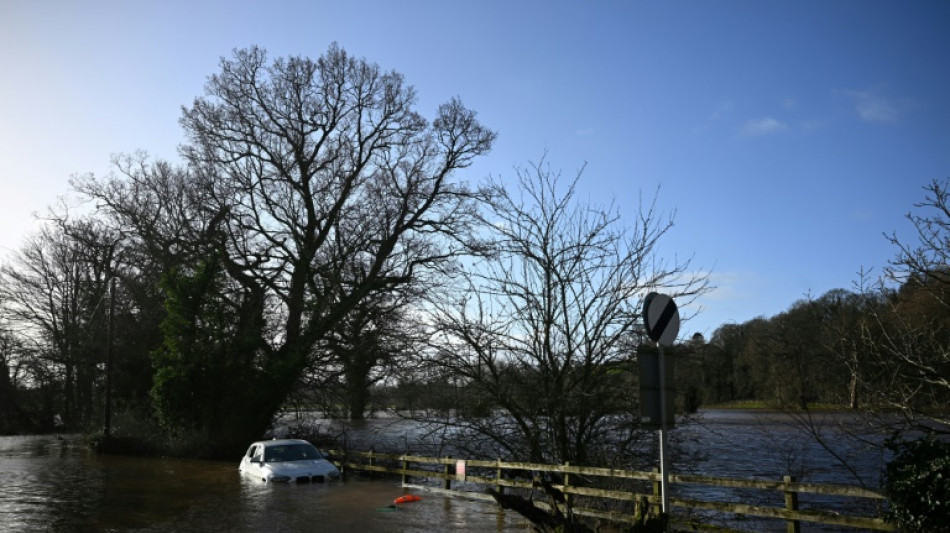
x=537, y=340
x=329, y=186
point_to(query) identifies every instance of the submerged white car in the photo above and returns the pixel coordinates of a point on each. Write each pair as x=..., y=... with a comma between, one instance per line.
x=287, y=460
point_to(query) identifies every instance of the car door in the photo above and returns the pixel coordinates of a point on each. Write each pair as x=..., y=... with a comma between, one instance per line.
x=252, y=459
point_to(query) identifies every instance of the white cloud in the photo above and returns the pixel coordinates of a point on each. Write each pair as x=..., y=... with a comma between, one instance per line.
x=872, y=107
x=733, y=285
x=761, y=127
x=584, y=132
x=735, y=298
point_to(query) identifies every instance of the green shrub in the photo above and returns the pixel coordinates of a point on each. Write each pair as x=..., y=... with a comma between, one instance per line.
x=918, y=485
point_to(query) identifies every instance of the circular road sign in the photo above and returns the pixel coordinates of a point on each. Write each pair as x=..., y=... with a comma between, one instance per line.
x=661, y=317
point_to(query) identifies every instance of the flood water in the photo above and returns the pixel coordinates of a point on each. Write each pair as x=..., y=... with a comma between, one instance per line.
x=756, y=444
x=53, y=484
x=769, y=444
x=56, y=484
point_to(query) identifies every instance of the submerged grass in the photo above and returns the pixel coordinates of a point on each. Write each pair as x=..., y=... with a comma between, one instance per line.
x=760, y=404
x=740, y=404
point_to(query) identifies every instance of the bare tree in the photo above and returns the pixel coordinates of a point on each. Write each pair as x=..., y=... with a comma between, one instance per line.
x=892, y=344
x=372, y=343
x=53, y=291
x=13, y=418
x=331, y=187
x=159, y=215
x=159, y=224
x=908, y=330
x=535, y=338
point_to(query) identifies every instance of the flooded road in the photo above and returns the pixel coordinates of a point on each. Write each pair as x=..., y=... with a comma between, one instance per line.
x=52, y=484
x=58, y=485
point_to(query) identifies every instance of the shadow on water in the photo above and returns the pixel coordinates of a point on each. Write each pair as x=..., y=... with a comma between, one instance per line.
x=54, y=484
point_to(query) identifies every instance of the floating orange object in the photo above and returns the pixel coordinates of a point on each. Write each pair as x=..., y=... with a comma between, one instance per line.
x=407, y=498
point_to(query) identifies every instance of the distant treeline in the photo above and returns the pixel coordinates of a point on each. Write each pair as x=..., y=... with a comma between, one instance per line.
x=883, y=349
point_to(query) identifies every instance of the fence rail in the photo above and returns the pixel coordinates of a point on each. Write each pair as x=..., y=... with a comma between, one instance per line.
x=504, y=475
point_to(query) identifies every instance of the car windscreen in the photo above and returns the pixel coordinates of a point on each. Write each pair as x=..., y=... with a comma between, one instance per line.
x=291, y=452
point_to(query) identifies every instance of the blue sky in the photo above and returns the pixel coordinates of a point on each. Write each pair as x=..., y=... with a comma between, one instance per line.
x=788, y=137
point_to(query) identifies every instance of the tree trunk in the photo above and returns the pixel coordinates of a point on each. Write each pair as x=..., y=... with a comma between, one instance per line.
x=853, y=391
x=12, y=419
x=358, y=397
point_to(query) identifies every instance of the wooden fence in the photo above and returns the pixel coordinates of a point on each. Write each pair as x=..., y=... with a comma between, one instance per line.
x=583, y=485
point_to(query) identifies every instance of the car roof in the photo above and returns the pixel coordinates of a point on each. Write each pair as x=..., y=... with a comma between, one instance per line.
x=281, y=442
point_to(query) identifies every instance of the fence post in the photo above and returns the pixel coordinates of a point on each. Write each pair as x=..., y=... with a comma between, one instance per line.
x=791, y=503
x=343, y=457
x=405, y=466
x=447, y=469
x=498, y=476
x=656, y=484
x=568, y=497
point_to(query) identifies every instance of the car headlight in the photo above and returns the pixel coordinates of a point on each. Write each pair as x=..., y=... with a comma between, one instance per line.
x=280, y=478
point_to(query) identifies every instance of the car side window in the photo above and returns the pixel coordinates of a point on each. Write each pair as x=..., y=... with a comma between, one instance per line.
x=255, y=453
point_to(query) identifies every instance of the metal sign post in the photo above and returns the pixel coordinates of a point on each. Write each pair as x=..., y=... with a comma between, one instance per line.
x=664, y=443
x=662, y=324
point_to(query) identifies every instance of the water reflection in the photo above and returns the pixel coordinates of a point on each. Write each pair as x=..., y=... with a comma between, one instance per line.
x=58, y=485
